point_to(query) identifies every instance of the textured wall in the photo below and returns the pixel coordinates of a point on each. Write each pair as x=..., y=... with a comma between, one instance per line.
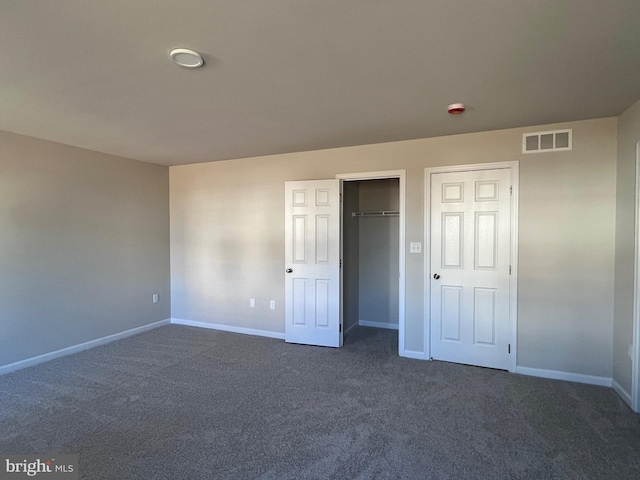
x=84, y=243
x=628, y=136
x=227, y=236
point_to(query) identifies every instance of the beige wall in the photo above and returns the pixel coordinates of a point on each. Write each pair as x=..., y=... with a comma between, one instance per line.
x=628, y=136
x=84, y=244
x=566, y=254
x=227, y=236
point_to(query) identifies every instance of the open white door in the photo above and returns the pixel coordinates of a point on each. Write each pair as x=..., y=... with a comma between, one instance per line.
x=470, y=267
x=313, y=291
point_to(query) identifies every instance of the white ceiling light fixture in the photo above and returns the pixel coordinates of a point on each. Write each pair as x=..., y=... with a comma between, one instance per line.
x=186, y=57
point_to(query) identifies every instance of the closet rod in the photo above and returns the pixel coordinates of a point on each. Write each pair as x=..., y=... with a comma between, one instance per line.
x=381, y=213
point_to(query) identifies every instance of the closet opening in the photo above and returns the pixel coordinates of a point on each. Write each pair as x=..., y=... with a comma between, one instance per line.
x=371, y=254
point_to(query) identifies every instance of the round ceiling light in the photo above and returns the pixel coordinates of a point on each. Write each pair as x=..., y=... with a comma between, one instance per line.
x=186, y=57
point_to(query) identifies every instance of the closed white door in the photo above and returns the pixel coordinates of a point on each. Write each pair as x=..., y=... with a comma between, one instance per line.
x=313, y=293
x=470, y=256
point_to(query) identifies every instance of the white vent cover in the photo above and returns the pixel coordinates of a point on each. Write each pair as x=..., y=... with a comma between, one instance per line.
x=553, y=141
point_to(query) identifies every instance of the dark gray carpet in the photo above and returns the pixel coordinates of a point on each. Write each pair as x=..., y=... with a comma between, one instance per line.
x=185, y=403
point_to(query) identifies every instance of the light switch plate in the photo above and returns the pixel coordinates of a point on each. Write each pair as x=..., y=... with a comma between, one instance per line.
x=415, y=247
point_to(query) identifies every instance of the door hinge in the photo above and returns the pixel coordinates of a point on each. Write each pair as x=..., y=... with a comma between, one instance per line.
x=340, y=328
x=509, y=349
x=340, y=263
x=511, y=190
x=509, y=269
x=340, y=198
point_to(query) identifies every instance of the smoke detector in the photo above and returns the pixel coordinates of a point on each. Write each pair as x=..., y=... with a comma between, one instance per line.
x=456, y=108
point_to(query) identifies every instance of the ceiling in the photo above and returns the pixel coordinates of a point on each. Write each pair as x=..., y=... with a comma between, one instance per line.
x=295, y=75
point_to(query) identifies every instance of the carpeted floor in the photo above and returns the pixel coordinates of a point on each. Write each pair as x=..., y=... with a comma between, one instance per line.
x=186, y=403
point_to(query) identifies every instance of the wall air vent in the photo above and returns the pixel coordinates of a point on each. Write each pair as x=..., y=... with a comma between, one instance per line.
x=553, y=141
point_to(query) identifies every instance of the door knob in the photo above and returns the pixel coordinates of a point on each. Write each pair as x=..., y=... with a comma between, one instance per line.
x=436, y=276
x=289, y=270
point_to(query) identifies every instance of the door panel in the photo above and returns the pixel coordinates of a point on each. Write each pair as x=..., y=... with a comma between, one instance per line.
x=470, y=254
x=298, y=300
x=451, y=316
x=323, y=240
x=313, y=292
x=299, y=239
x=452, y=240
x=484, y=316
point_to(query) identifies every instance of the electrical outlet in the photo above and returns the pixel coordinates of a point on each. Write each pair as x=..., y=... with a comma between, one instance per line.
x=415, y=247
x=155, y=298
x=252, y=302
x=272, y=304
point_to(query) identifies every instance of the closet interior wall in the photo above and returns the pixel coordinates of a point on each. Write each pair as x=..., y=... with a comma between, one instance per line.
x=370, y=254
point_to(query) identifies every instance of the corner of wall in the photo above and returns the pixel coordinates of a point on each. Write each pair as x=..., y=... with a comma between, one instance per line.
x=628, y=134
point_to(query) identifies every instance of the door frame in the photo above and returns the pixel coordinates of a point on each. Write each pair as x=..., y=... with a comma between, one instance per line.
x=513, y=166
x=635, y=357
x=401, y=176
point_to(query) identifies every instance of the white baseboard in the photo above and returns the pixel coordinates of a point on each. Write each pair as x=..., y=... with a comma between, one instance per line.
x=622, y=392
x=228, y=328
x=30, y=362
x=366, y=323
x=348, y=330
x=415, y=355
x=567, y=376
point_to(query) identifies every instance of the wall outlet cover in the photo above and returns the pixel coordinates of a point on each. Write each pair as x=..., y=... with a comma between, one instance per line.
x=415, y=247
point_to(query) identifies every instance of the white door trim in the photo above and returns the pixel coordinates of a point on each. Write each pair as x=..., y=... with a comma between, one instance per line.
x=401, y=175
x=635, y=358
x=513, y=279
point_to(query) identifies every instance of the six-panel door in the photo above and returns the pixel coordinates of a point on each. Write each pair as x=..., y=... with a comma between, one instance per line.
x=470, y=252
x=312, y=263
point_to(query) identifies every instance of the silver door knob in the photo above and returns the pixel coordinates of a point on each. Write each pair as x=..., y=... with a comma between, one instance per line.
x=289, y=270
x=436, y=276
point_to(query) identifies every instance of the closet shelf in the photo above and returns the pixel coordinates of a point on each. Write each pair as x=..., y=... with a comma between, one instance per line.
x=381, y=213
